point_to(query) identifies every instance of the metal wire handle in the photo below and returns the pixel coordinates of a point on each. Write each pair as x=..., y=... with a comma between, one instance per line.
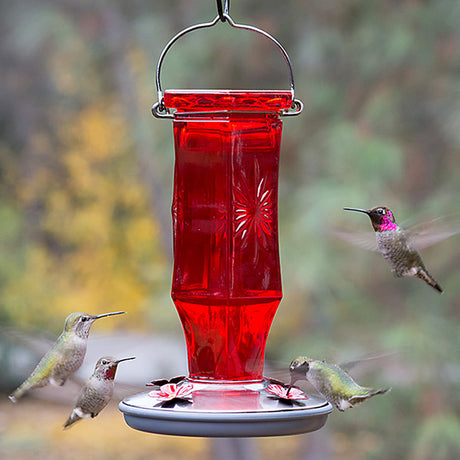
x=160, y=111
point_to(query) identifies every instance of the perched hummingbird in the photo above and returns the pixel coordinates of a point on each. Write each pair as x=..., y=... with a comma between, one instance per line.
x=332, y=382
x=97, y=391
x=66, y=355
x=396, y=245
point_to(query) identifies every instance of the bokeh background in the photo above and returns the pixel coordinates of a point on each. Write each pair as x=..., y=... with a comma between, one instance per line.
x=85, y=192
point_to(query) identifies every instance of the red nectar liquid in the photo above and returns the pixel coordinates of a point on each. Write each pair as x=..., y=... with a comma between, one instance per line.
x=226, y=280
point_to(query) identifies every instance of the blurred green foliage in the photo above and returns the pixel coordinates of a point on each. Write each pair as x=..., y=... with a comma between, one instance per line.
x=85, y=180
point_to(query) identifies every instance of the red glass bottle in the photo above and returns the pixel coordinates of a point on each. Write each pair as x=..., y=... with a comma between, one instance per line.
x=226, y=280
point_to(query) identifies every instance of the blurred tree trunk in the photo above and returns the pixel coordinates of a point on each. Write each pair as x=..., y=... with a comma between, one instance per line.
x=116, y=42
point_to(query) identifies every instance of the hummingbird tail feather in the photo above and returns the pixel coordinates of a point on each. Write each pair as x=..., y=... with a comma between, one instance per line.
x=73, y=417
x=76, y=415
x=425, y=276
x=20, y=391
x=371, y=392
x=29, y=384
x=381, y=392
x=69, y=422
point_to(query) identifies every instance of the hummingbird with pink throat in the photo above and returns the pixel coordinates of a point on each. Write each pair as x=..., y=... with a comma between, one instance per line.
x=397, y=245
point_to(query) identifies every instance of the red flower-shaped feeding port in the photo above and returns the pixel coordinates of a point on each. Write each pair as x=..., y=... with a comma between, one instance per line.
x=286, y=393
x=172, y=393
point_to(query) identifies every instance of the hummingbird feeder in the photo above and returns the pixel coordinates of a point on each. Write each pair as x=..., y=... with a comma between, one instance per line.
x=226, y=282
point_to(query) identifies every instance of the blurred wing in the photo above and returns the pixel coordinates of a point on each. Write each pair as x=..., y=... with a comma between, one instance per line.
x=365, y=240
x=275, y=370
x=426, y=234
x=37, y=342
x=425, y=240
x=278, y=372
x=371, y=362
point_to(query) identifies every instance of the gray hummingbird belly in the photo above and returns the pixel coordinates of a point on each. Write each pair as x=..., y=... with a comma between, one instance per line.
x=395, y=249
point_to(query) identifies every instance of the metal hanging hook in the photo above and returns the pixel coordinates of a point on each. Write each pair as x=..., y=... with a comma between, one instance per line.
x=223, y=12
x=160, y=111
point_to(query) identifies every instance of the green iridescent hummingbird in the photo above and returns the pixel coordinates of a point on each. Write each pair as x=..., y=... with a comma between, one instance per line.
x=66, y=355
x=97, y=392
x=332, y=382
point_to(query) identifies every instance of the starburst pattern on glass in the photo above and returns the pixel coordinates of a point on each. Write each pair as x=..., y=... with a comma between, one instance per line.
x=254, y=210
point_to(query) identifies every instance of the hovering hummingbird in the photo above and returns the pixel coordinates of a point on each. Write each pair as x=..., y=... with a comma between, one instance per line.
x=397, y=245
x=332, y=382
x=97, y=391
x=66, y=355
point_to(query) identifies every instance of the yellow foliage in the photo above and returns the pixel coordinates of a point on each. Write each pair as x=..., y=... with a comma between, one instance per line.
x=28, y=295
x=102, y=241
x=99, y=132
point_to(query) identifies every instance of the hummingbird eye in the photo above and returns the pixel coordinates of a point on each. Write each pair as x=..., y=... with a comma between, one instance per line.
x=84, y=318
x=381, y=211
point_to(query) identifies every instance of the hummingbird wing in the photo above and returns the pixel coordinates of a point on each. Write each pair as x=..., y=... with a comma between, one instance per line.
x=34, y=341
x=424, y=238
x=428, y=233
x=365, y=240
x=279, y=371
x=368, y=361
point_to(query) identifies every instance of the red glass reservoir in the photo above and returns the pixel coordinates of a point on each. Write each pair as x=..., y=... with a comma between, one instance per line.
x=226, y=280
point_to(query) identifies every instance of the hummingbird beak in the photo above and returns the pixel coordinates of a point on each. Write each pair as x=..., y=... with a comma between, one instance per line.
x=365, y=211
x=110, y=314
x=124, y=359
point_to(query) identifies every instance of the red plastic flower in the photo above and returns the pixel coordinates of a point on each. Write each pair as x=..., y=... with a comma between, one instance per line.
x=283, y=392
x=172, y=391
